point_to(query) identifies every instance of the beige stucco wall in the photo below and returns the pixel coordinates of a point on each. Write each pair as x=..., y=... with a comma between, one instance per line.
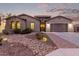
x=58, y=20
x=32, y=20
x=8, y=23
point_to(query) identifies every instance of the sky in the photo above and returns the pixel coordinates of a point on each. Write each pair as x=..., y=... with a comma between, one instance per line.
x=34, y=8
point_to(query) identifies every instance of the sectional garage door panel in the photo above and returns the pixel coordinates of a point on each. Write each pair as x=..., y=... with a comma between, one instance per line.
x=59, y=27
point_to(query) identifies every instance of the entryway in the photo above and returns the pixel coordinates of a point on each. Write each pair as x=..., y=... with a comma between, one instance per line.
x=42, y=26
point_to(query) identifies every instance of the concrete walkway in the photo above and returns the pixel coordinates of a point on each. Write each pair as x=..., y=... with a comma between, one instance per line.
x=65, y=52
x=60, y=42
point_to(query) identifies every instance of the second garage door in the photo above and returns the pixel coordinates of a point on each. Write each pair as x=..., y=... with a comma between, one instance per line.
x=59, y=27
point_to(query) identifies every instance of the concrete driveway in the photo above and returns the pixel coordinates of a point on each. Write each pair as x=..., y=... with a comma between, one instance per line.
x=72, y=37
x=61, y=41
x=68, y=43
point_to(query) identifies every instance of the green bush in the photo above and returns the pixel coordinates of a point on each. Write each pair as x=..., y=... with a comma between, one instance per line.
x=26, y=31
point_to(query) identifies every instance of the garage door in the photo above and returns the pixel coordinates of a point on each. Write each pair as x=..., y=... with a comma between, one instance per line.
x=59, y=27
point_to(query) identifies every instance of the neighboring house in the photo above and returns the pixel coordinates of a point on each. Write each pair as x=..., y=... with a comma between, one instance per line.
x=75, y=23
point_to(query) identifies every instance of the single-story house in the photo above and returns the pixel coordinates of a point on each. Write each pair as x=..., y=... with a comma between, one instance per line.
x=22, y=22
x=41, y=23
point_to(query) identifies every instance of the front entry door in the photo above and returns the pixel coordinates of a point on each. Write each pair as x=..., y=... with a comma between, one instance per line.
x=42, y=26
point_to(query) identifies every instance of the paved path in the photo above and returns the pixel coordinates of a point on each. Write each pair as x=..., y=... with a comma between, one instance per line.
x=65, y=52
x=60, y=42
x=72, y=37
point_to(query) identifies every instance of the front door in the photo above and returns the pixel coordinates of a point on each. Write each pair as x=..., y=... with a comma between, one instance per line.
x=42, y=26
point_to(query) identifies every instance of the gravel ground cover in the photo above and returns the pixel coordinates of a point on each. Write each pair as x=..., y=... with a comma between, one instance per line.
x=15, y=49
x=26, y=45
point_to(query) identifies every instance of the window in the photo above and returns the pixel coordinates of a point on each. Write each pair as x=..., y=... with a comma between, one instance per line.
x=32, y=26
x=18, y=26
x=13, y=25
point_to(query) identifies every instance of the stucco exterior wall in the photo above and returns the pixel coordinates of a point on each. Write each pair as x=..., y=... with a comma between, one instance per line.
x=8, y=23
x=58, y=20
x=32, y=20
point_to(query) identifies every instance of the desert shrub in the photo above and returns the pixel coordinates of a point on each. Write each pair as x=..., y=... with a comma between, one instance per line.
x=26, y=31
x=5, y=32
x=41, y=36
x=17, y=31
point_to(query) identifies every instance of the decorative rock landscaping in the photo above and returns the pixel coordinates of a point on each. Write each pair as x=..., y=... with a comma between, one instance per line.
x=27, y=45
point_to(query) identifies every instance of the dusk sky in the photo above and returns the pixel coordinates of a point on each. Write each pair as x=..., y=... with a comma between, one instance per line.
x=33, y=8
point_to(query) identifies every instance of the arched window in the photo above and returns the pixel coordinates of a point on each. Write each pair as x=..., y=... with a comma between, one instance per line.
x=13, y=25
x=18, y=25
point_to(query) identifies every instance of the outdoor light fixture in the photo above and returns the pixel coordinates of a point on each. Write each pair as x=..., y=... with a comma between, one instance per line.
x=45, y=39
x=48, y=27
x=70, y=25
